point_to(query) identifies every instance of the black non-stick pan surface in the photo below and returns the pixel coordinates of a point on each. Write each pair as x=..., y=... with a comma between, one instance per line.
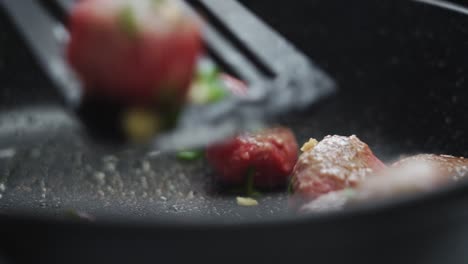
x=402, y=68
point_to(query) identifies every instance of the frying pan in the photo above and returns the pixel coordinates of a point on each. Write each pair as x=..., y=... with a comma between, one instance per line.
x=402, y=69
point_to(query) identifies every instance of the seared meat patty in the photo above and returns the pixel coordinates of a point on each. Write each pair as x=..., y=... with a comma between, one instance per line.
x=415, y=174
x=418, y=173
x=335, y=163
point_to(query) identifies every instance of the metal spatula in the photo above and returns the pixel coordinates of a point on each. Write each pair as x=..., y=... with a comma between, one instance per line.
x=279, y=77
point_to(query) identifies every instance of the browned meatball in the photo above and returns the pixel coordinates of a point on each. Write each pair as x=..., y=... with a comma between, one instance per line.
x=414, y=174
x=420, y=173
x=335, y=163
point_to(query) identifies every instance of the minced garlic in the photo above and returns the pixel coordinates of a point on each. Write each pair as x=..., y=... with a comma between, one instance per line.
x=309, y=145
x=245, y=201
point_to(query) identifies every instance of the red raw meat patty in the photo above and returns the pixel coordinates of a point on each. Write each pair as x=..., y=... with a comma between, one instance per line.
x=269, y=154
x=138, y=51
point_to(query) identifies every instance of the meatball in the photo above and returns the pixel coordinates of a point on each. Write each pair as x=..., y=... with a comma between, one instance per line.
x=415, y=174
x=420, y=173
x=141, y=51
x=335, y=163
x=269, y=155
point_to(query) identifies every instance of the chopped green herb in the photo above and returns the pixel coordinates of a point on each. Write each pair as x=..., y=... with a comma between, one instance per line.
x=204, y=92
x=247, y=189
x=207, y=87
x=207, y=71
x=190, y=155
x=249, y=186
x=216, y=93
x=127, y=21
